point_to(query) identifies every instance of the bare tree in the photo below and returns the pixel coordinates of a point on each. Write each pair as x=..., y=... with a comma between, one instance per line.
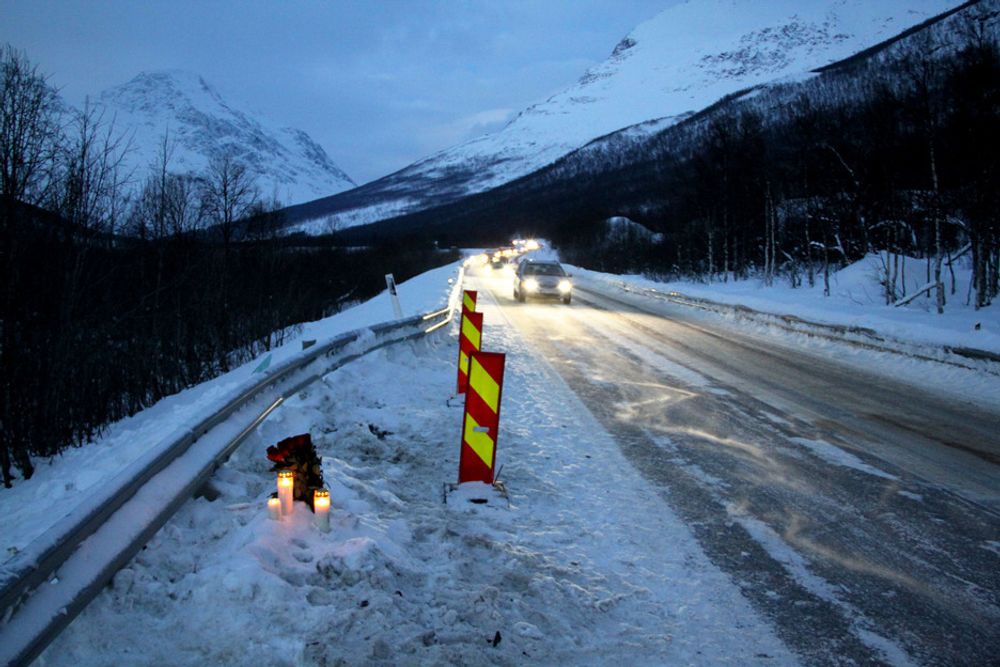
x=229, y=196
x=29, y=133
x=923, y=74
x=88, y=194
x=149, y=213
x=230, y=193
x=92, y=173
x=183, y=212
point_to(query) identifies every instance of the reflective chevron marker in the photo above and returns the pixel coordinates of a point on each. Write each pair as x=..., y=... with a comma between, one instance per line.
x=481, y=421
x=470, y=338
x=469, y=300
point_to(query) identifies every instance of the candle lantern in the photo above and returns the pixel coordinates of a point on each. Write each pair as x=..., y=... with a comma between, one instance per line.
x=321, y=506
x=286, y=485
x=274, y=508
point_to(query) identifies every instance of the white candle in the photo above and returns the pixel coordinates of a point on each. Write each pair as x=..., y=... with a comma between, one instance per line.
x=274, y=508
x=321, y=506
x=286, y=483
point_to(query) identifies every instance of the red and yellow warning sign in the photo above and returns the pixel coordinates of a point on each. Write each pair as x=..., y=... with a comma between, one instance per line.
x=469, y=301
x=470, y=339
x=481, y=421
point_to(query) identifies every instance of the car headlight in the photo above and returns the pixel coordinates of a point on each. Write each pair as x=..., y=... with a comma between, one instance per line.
x=565, y=286
x=531, y=285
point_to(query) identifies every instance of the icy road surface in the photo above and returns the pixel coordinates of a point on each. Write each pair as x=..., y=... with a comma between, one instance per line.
x=858, y=513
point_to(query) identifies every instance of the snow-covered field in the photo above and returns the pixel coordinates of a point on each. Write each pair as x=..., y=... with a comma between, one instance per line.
x=585, y=564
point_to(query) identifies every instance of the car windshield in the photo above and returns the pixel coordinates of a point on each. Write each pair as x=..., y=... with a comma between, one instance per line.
x=543, y=270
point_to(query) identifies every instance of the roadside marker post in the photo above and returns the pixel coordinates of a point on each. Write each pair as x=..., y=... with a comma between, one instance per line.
x=390, y=283
x=481, y=421
x=470, y=339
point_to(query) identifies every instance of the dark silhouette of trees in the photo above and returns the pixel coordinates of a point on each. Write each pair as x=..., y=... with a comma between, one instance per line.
x=111, y=301
x=28, y=131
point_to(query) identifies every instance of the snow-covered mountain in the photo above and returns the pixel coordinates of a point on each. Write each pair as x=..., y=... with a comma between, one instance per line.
x=200, y=124
x=682, y=60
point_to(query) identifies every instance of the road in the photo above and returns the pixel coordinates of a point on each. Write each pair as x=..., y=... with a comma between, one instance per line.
x=860, y=514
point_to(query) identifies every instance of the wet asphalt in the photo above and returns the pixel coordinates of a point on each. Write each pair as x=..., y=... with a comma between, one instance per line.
x=893, y=557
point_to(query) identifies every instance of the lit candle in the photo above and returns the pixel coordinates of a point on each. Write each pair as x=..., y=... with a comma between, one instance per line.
x=321, y=506
x=274, y=508
x=286, y=483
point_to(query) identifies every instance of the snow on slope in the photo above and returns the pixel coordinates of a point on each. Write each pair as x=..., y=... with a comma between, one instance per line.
x=682, y=60
x=286, y=161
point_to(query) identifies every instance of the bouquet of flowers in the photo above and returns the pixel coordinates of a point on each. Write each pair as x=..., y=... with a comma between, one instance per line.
x=298, y=454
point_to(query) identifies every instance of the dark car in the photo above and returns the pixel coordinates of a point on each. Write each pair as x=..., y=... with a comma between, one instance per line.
x=542, y=279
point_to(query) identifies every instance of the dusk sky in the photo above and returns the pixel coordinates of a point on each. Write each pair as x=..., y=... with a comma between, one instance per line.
x=378, y=84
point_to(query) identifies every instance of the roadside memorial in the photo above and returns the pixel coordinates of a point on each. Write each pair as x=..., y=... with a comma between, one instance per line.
x=299, y=471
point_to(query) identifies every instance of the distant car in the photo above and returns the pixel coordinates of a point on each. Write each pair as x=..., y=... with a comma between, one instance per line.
x=542, y=279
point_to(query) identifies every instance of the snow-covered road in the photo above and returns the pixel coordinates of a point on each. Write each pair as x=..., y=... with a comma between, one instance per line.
x=680, y=493
x=860, y=513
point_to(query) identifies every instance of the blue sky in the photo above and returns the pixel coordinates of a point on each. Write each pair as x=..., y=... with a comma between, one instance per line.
x=378, y=84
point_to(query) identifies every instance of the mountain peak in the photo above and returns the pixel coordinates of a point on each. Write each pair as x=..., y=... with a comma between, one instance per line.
x=170, y=77
x=201, y=124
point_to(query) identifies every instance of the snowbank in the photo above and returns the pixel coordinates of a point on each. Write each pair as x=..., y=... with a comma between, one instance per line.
x=61, y=483
x=855, y=300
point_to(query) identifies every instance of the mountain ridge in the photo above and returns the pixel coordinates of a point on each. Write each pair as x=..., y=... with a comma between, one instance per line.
x=674, y=64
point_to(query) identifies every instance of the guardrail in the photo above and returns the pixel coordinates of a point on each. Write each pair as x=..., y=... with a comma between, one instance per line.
x=32, y=614
x=859, y=336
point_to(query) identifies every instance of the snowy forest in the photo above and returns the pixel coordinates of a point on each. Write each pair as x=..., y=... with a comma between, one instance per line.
x=120, y=288
x=894, y=151
x=896, y=155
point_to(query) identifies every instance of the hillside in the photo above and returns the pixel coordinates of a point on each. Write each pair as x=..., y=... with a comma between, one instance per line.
x=651, y=172
x=682, y=60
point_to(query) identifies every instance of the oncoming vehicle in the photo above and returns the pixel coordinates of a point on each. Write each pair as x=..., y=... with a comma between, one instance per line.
x=542, y=279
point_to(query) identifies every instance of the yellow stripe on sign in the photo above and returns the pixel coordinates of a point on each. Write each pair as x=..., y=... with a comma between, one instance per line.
x=483, y=384
x=463, y=362
x=471, y=332
x=481, y=443
x=468, y=302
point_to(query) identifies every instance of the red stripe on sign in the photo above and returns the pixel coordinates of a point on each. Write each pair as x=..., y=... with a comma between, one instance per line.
x=472, y=469
x=493, y=363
